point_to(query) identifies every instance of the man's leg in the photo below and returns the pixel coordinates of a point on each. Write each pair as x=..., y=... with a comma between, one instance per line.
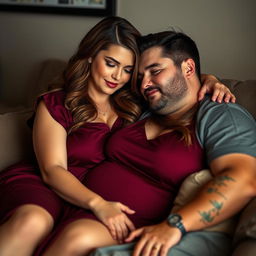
x=115, y=250
x=202, y=243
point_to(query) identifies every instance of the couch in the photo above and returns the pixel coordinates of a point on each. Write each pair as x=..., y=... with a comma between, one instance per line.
x=16, y=143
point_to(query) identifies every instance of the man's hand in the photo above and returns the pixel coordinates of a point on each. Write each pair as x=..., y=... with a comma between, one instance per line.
x=155, y=240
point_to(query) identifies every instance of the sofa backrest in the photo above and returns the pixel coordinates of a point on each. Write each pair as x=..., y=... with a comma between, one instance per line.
x=245, y=92
x=49, y=70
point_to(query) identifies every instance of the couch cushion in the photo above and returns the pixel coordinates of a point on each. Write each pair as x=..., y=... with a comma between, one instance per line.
x=246, y=227
x=15, y=137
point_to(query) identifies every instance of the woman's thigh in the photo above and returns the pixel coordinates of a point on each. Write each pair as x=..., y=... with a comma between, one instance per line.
x=80, y=236
x=93, y=231
x=28, y=192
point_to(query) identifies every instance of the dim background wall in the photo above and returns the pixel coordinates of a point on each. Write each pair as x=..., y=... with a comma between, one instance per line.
x=224, y=30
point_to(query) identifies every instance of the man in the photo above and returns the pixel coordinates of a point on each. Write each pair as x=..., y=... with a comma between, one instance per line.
x=170, y=81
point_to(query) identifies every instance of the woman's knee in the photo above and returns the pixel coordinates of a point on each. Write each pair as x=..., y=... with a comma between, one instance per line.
x=31, y=220
x=77, y=239
x=81, y=238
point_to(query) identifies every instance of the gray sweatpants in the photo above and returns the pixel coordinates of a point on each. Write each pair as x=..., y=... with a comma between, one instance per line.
x=203, y=243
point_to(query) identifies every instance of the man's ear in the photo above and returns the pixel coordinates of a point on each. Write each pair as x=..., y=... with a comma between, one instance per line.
x=188, y=68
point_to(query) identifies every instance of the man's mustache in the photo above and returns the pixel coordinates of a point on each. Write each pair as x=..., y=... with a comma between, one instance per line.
x=153, y=87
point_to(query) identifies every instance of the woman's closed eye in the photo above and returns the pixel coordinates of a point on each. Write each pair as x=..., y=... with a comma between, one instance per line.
x=110, y=64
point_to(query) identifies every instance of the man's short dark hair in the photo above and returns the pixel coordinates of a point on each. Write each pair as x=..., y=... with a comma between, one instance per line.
x=175, y=45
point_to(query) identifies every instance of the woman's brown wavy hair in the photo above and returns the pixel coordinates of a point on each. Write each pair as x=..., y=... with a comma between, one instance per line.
x=109, y=31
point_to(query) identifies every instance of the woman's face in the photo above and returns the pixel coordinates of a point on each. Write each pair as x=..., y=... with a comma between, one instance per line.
x=111, y=69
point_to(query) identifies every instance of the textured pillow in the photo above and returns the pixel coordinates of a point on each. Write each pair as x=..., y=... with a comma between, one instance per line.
x=246, y=227
x=15, y=137
x=188, y=190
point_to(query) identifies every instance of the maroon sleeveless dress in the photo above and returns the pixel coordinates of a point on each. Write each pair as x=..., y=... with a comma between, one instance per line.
x=22, y=184
x=142, y=174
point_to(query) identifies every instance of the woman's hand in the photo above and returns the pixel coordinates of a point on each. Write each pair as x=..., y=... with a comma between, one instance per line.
x=113, y=215
x=155, y=240
x=219, y=91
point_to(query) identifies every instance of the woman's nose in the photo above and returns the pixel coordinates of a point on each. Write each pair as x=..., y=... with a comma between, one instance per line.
x=117, y=74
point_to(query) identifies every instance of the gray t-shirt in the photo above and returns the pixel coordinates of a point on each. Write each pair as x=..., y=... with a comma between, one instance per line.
x=225, y=128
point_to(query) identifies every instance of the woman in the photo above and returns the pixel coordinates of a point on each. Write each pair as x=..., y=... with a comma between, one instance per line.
x=69, y=132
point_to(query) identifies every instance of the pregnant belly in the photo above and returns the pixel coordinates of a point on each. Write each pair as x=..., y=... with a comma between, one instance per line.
x=115, y=182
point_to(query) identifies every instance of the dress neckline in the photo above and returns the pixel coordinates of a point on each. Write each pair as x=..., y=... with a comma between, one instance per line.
x=116, y=123
x=143, y=126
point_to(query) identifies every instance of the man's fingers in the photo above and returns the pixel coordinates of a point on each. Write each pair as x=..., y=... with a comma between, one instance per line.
x=151, y=248
x=165, y=249
x=139, y=247
x=156, y=250
x=134, y=234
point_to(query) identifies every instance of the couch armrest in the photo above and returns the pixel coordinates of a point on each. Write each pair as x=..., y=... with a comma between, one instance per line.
x=15, y=137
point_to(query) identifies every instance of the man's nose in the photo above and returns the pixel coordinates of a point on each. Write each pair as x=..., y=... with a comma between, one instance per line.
x=145, y=83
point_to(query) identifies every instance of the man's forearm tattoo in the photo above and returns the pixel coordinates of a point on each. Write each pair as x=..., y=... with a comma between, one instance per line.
x=209, y=216
x=218, y=182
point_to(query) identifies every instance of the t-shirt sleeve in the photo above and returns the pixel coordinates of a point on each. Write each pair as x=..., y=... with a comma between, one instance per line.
x=54, y=102
x=224, y=129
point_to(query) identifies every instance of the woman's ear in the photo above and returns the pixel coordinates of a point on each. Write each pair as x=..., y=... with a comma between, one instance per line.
x=90, y=60
x=188, y=68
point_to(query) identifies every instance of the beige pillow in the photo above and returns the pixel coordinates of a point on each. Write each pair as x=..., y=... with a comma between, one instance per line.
x=188, y=190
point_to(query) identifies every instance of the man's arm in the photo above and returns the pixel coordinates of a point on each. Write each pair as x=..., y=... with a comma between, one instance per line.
x=228, y=135
x=233, y=185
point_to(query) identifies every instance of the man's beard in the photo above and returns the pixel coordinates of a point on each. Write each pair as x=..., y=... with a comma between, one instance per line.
x=171, y=93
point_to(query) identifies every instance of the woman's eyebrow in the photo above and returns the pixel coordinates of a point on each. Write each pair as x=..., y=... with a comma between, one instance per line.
x=110, y=58
x=117, y=62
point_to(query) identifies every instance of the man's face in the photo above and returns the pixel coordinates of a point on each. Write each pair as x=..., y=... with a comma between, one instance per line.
x=162, y=84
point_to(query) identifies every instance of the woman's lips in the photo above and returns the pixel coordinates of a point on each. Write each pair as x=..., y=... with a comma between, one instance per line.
x=110, y=84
